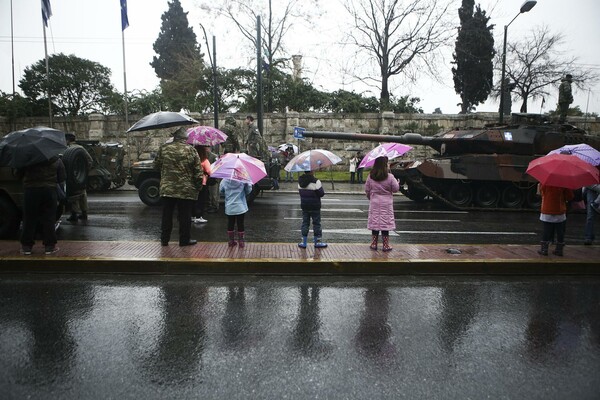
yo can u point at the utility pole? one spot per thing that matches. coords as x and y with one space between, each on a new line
259 89
215 89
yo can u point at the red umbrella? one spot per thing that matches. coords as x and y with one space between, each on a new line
563 170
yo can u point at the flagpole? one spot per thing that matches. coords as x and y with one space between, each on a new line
47 77
125 95
125 24
12 47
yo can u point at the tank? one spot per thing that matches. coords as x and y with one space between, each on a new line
478 168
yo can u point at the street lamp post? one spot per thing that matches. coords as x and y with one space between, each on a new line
527 6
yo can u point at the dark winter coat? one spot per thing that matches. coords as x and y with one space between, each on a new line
311 191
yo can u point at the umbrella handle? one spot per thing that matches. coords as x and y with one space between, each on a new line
331 178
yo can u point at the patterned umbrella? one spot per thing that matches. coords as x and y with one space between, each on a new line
583 151
205 136
312 160
389 150
563 170
238 167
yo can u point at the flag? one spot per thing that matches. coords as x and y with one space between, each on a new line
46 11
124 19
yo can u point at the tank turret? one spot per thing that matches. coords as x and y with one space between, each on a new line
478 167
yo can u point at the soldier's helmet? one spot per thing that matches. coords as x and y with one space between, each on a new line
70 137
568 77
230 121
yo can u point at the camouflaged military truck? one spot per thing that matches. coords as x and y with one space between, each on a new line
146 178
11 191
478 168
108 170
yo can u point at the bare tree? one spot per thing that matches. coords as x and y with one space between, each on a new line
276 23
400 33
536 64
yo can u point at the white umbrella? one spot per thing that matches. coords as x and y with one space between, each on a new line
286 146
312 160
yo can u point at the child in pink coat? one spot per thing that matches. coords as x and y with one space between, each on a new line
380 188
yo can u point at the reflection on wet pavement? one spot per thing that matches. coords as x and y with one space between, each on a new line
332 337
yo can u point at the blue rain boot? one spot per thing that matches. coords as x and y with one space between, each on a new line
302 244
319 244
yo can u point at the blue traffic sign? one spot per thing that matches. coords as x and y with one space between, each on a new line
299 132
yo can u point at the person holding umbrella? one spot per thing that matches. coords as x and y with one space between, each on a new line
40 199
181 178
35 155
553 215
311 190
236 207
380 188
238 172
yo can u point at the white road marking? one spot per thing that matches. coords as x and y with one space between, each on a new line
365 219
367 232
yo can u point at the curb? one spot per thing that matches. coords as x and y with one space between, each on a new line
287 260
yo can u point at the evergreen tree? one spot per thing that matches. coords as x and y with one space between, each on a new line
77 86
473 57
176 44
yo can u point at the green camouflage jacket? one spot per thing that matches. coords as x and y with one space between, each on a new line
564 93
180 170
232 144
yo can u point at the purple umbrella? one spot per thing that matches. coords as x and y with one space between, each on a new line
389 150
582 151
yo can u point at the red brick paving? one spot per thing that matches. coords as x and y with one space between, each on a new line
287 258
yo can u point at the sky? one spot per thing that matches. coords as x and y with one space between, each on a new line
91 29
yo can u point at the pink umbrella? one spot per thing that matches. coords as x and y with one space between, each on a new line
205 136
238 167
389 150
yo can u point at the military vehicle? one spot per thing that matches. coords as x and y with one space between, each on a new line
107 171
478 168
146 178
11 191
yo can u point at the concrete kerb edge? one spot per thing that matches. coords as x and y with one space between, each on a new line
72 265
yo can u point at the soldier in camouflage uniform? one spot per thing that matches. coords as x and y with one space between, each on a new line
256 145
565 97
181 180
77 196
232 144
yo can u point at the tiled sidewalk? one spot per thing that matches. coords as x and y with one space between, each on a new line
288 259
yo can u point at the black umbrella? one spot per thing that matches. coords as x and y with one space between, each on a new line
162 119
31 146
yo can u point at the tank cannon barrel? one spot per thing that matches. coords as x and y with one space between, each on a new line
407 138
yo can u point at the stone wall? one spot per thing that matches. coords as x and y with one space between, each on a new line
279 128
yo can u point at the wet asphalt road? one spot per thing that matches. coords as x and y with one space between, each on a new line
276 217
237 338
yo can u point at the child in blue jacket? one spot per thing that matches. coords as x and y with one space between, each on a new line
235 208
